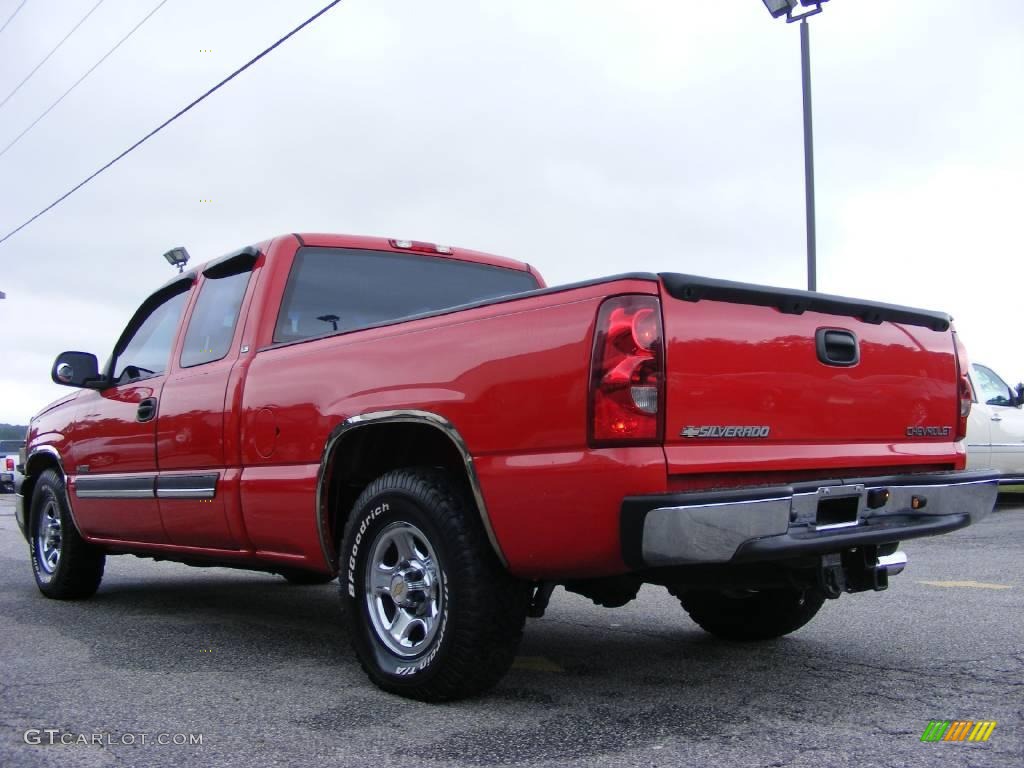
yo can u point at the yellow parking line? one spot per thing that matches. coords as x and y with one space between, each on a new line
967 584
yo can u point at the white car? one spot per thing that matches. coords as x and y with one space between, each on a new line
995 430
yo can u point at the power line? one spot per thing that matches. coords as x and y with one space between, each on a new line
174 117
79 80
11 17
46 58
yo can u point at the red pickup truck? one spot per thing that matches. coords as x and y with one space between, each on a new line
451 439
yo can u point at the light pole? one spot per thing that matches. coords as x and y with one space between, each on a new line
786 8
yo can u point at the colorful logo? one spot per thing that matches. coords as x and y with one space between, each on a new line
958 730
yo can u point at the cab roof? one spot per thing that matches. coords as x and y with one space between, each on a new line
323 240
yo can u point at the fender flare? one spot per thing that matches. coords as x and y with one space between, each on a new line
25 502
395 417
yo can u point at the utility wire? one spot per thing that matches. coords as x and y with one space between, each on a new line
174 117
79 80
46 58
9 18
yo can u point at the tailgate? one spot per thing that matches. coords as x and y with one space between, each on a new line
767 379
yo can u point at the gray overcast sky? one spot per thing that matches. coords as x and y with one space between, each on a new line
584 137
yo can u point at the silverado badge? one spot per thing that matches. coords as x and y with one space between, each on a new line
718 432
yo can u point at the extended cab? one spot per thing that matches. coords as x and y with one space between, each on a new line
451 439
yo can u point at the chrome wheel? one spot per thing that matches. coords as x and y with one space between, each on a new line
404 594
48 537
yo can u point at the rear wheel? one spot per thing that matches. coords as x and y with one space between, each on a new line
751 615
435 615
66 566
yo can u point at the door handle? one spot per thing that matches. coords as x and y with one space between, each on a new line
147 410
996 417
837 346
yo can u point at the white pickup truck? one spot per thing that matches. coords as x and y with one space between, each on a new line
10 458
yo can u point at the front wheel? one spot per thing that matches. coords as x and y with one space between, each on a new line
66 566
435 615
749 615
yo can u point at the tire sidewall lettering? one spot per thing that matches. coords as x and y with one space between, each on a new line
361 536
365 523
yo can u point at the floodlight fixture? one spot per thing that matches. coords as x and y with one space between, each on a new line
787 8
177 257
779 8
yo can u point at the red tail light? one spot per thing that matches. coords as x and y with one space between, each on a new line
10 464
966 400
965 395
627 372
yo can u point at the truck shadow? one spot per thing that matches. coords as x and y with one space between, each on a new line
581 686
165 621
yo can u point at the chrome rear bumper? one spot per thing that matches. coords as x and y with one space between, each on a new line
781 522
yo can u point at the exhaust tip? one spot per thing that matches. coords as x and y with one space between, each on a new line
894 563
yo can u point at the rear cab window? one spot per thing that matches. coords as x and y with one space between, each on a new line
331 290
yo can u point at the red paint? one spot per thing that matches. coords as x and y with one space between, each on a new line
723 364
514 379
556 513
106 439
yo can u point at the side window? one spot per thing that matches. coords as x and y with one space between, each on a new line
992 390
149 349
212 325
343 289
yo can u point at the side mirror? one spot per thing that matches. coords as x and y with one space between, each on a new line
78 369
1020 394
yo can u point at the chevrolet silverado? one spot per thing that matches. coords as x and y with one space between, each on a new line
451 439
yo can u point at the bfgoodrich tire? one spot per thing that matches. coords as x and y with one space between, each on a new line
761 615
66 567
435 616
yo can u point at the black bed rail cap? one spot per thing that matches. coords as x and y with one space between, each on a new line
796 302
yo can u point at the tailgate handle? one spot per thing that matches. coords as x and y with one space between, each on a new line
837 347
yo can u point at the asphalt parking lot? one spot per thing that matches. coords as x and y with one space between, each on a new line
260 670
